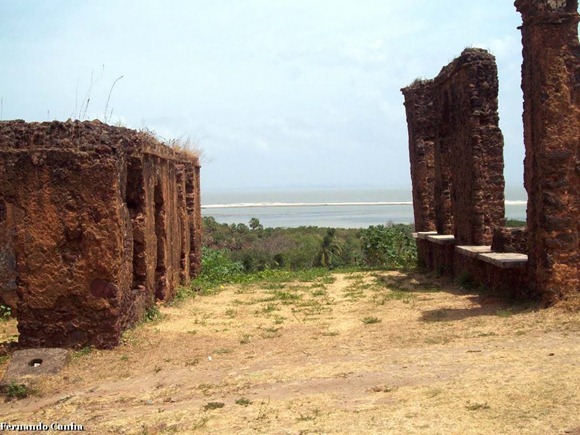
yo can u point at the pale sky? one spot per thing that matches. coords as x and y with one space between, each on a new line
277 93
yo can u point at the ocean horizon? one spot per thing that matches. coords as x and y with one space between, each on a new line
327 207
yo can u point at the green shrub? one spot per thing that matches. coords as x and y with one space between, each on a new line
514 223
390 246
217 268
5 312
152 314
17 391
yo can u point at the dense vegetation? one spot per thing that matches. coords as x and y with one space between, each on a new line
237 249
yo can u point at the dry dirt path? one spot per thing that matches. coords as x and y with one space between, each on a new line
349 353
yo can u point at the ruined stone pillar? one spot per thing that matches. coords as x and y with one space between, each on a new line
470 135
551 87
469 187
421 125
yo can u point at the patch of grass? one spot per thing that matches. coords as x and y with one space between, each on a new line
318 292
330 333
5 312
399 295
17 391
242 401
213 405
439 315
182 294
205 388
245 339
271 332
328 279
200 423
222 351
310 416
82 352
274 286
466 280
4 358
231 313
278 320
354 291
433 392
439 340
263 411
370 320
382 389
269 308
152 314
287 296
507 312
476 406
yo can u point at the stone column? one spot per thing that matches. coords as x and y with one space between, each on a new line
551 87
421 125
470 143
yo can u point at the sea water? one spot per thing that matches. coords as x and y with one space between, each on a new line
329 207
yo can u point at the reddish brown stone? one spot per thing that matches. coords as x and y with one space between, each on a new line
510 240
456 149
551 87
469 148
511 282
421 118
94 224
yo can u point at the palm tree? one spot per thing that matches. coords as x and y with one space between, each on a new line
329 250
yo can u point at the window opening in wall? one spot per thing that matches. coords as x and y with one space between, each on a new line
135 198
161 236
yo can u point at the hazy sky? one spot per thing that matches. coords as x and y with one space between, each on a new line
276 93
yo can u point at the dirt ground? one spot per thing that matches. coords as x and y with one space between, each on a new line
348 353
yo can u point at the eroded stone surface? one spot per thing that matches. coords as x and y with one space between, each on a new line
551 87
456 149
96 225
421 118
510 240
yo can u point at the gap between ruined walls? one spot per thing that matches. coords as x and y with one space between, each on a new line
98 223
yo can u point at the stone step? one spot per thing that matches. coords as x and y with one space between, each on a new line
424 234
504 259
441 239
472 251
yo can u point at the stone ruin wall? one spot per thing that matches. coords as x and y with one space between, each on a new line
421 117
96 224
551 88
542 259
456 149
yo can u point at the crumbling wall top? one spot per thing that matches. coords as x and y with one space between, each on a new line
84 136
543 7
467 57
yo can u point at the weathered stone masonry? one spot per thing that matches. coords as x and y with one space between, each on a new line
96 224
460 134
551 87
421 119
456 150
